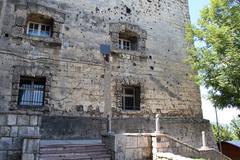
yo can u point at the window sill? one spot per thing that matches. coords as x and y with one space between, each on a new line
50 41
129 53
131 111
29 108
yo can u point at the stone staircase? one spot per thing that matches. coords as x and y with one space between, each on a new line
73 150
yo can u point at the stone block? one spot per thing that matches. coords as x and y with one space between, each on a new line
120 143
3 119
28 156
143 142
119 156
12 119
33 120
23 120
133 154
14 155
3 155
5 143
28 131
17 31
20 21
132 142
147 152
4 131
31 146
163 145
17 143
14 131
39 121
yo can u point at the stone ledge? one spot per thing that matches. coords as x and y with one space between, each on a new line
22 112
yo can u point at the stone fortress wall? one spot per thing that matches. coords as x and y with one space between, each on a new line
74 68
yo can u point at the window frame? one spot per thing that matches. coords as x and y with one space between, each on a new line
122 46
39 29
124 96
33 81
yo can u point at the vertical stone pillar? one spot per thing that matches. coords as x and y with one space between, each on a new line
204 144
30 150
109 123
157 121
107 95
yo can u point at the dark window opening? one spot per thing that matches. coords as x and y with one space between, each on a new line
131 98
128 41
31 92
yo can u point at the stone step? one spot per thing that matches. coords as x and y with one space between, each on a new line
74 153
60 146
68 142
73 150
74 156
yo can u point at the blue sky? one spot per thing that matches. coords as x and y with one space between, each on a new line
195 6
226 115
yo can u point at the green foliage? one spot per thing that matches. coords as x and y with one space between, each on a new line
225 134
217 57
235 126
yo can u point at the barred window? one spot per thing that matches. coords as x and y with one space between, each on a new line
31 92
131 98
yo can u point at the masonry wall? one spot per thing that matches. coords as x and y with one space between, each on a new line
75 69
76 66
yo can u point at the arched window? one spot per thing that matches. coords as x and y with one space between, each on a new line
39 25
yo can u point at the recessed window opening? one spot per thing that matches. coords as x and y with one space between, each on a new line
31 91
128 41
131 98
39 25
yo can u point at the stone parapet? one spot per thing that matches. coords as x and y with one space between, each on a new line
129 146
144 146
162 143
14 128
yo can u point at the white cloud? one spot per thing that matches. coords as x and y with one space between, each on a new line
224 116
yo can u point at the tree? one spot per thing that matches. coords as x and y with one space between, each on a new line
217 55
223 133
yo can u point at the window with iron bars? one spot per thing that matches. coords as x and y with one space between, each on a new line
131 98
31 92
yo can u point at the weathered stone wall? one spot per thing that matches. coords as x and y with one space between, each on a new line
129 146
187 130
76 66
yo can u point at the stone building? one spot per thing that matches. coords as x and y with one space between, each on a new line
55 82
